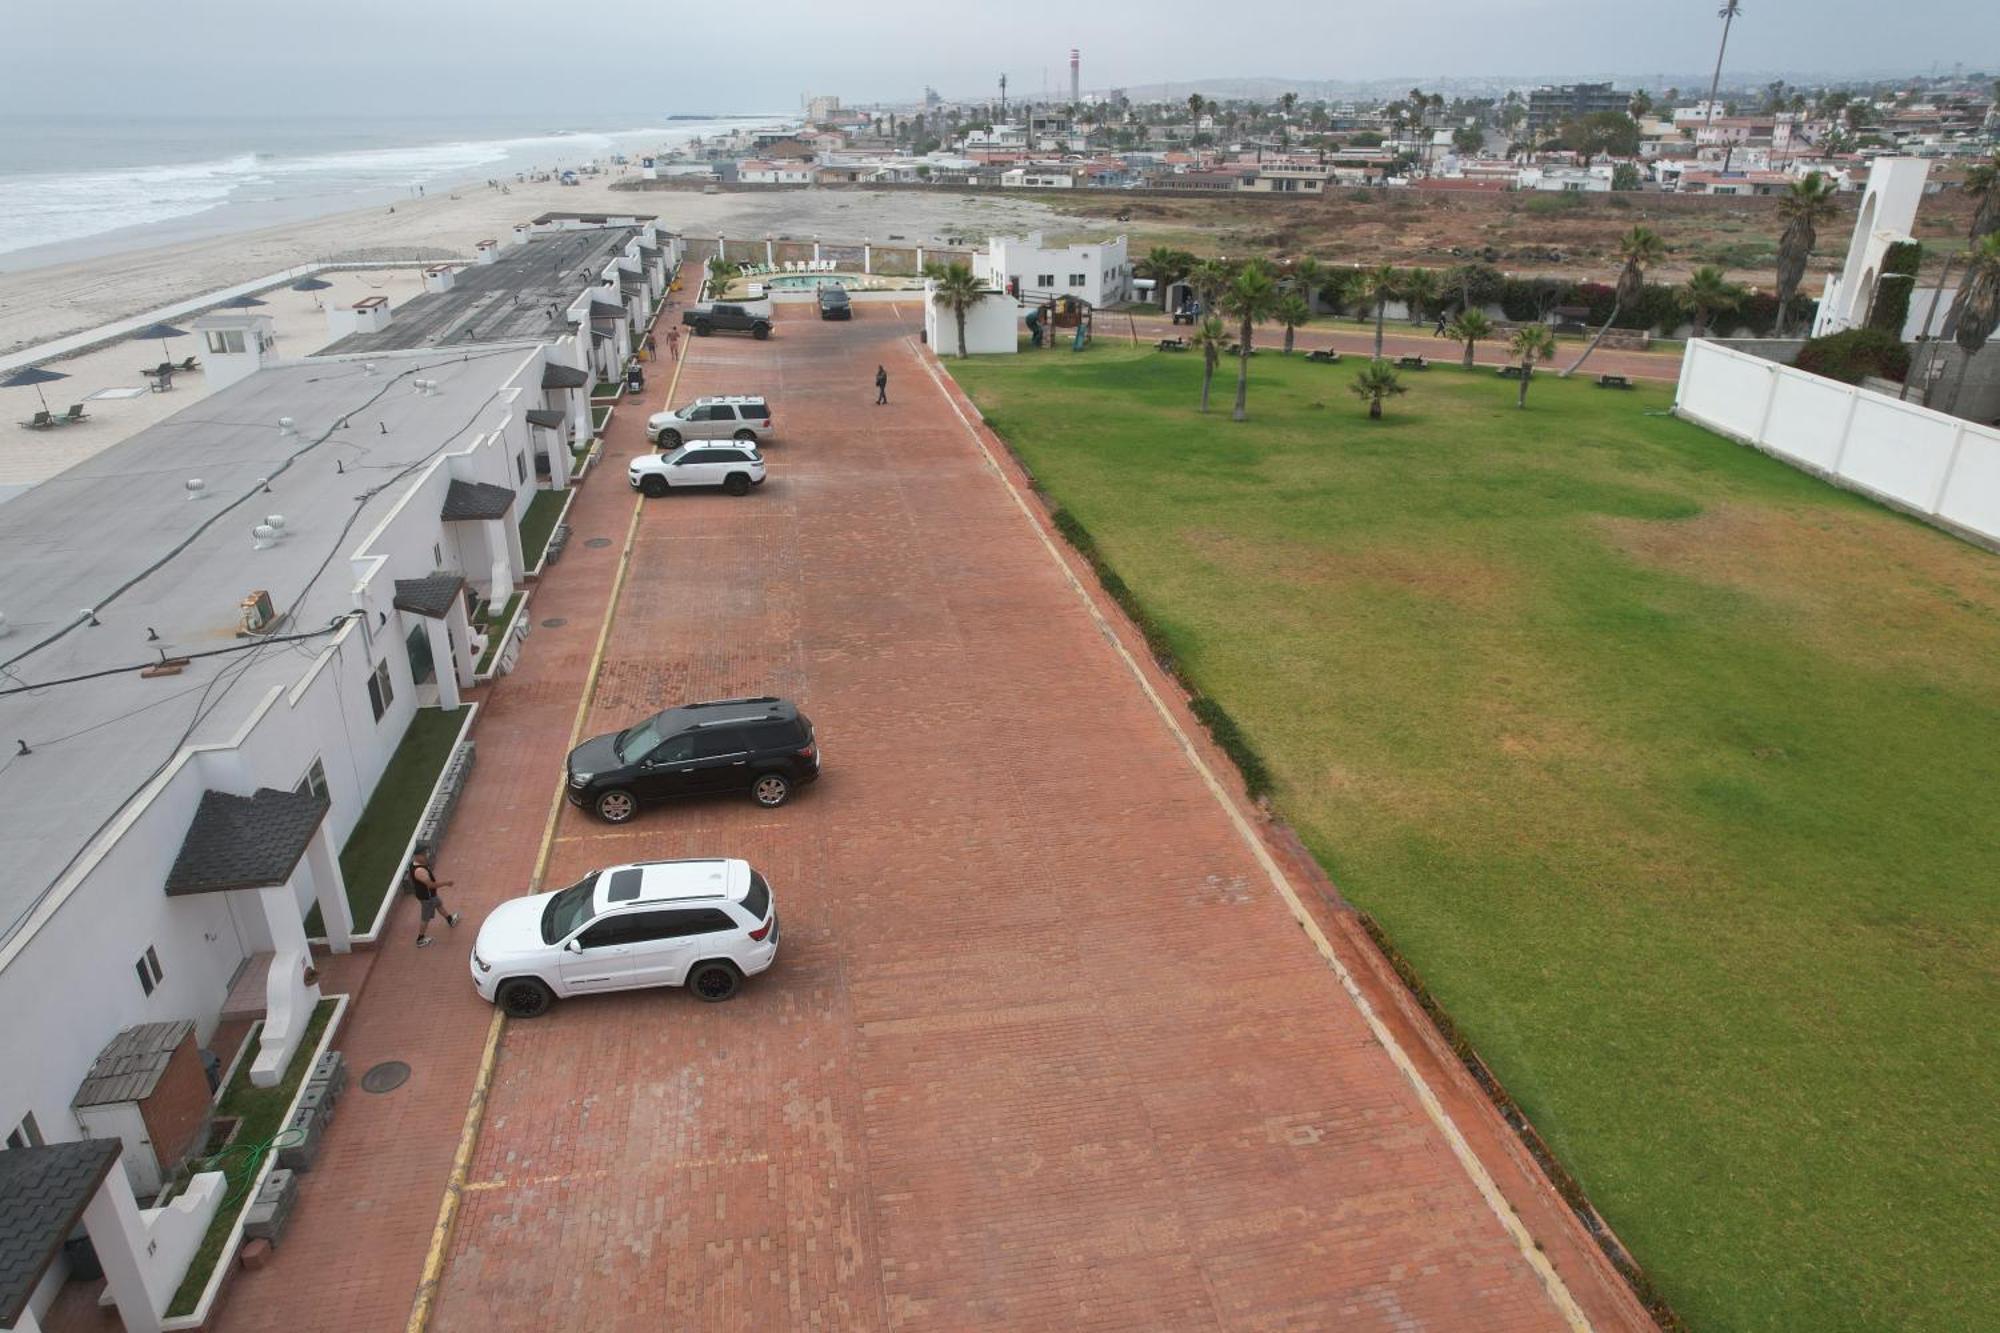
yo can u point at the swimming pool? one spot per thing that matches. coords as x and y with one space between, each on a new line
795 281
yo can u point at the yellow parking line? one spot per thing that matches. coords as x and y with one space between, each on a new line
475 1110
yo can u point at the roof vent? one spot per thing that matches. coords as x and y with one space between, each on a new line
285 426
257 612
196 488
266 536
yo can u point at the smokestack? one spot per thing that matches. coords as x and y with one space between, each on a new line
1074 90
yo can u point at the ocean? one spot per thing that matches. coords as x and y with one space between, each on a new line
74 186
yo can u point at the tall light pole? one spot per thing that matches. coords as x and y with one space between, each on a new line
1728 13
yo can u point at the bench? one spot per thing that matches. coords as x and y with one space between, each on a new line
1173 344
1613 382
1413 363
1326 356
1509 372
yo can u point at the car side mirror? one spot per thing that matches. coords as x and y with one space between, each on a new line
573 946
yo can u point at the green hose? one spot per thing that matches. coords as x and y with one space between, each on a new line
251 1156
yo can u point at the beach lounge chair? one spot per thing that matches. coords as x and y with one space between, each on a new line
188 366
40 421
76 413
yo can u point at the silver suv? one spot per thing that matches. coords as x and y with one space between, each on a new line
732 418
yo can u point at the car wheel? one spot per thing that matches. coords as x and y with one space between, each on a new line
746 435
760 331
524 997
736 483
669 439
703 329
616 806
653 486
771 790
714 980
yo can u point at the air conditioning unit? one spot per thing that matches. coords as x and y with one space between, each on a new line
257 613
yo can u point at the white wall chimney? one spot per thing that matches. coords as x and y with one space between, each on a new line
440 278
487 251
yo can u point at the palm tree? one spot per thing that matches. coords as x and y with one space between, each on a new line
1420 290
1470 327
1803 206
1208 278
1252 297
1376 382
1982 183
1291 313
1165 266
957 290
1211 336
1709 293
1730 9
1532 343
1640 249
1378 286
1978 304
1306 278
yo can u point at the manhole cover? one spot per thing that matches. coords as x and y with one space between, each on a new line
385 1077
598 543
555 622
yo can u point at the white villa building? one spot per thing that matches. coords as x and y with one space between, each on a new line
1100 272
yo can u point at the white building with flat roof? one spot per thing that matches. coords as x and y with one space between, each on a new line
1099 272
216 633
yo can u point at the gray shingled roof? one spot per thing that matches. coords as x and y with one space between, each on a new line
556 376
130 1065
432 596
43 1192
606 310
547 416
245 842
476 499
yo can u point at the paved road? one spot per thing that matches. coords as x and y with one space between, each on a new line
1046 1045
1400 338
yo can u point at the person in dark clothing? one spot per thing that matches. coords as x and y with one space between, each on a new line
1438 332
424 885
881 384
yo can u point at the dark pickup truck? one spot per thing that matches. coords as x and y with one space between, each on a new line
705 320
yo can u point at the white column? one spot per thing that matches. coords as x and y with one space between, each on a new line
867 255
770 252
116 1233
815 249
458 631
330 889
504 557
288 1000
559 463
920 259
26 1323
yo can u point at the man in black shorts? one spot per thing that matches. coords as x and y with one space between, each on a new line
424 885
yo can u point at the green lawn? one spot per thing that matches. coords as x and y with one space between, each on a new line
263 1114
1673 770
373 853
539 522
599 414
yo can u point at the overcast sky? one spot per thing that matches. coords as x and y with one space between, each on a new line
540 56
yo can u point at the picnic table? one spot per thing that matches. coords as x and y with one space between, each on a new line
1509 372
1413 363
1613 382
1173 344
1325 355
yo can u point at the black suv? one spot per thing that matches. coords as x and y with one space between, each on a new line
833 303
763 746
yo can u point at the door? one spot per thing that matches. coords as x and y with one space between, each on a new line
598 958
663 947
721 422
667 771
721 760
701 468
418 645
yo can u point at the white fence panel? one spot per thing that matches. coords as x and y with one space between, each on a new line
1923 461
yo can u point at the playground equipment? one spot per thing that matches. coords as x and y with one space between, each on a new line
1060 312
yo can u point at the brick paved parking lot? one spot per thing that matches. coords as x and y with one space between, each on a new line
1043 1048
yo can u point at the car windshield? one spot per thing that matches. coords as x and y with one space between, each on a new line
569 909
635 743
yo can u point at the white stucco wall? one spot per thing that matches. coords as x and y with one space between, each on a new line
992 326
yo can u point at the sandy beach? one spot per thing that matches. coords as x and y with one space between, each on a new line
42 303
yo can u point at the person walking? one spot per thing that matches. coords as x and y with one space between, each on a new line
1438 332
424 885
881 385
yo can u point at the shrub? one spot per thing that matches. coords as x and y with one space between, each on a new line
1481 282
1855 353
1892 290
1548 205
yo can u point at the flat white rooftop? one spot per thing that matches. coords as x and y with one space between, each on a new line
118 534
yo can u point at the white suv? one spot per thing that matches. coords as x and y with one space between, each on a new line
701 924
732 418
732 466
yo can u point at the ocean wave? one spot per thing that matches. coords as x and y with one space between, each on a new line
51 207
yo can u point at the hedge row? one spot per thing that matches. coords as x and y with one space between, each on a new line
1658 309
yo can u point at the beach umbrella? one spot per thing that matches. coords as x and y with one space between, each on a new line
241 303
162 332
314 285
36 376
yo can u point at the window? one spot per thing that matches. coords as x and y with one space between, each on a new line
520 467
757 902
148 968
314 781
611 931
1045 280
225 340
718 741
624 886
675 750
777 736
642 926
437 556
380 692
1078 279
27 1134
